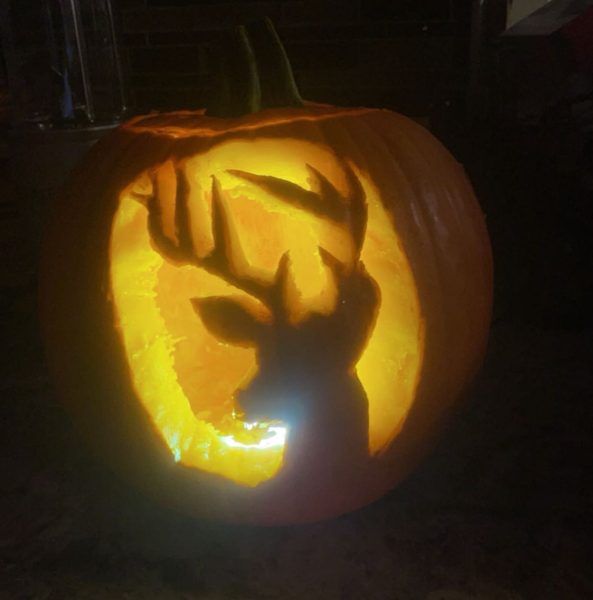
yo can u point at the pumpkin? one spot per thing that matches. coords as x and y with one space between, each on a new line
264 311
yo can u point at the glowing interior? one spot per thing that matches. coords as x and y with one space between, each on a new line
184 376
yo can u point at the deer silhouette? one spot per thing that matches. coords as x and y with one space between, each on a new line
306 371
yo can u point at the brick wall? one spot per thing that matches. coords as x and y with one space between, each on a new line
401 54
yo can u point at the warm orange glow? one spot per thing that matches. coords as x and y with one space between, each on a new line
183 374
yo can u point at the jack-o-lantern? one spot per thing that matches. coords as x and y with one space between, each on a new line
263 312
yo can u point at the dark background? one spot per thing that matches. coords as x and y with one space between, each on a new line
502 508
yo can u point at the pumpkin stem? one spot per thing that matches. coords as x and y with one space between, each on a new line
237 87
277 81
254 73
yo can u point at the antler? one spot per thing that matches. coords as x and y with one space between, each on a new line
226 251
226 245
180 249
323 200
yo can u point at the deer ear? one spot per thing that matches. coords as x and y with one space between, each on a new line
230 320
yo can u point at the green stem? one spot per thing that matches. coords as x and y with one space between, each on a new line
254 73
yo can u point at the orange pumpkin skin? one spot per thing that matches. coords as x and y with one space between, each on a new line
440 231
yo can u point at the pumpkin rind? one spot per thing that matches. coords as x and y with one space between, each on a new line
442 233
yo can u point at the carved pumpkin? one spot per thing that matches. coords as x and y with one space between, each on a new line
265 314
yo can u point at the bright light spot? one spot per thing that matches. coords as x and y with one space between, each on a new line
276 439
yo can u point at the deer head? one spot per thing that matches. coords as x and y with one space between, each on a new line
298 363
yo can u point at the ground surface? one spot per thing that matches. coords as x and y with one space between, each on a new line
501 510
